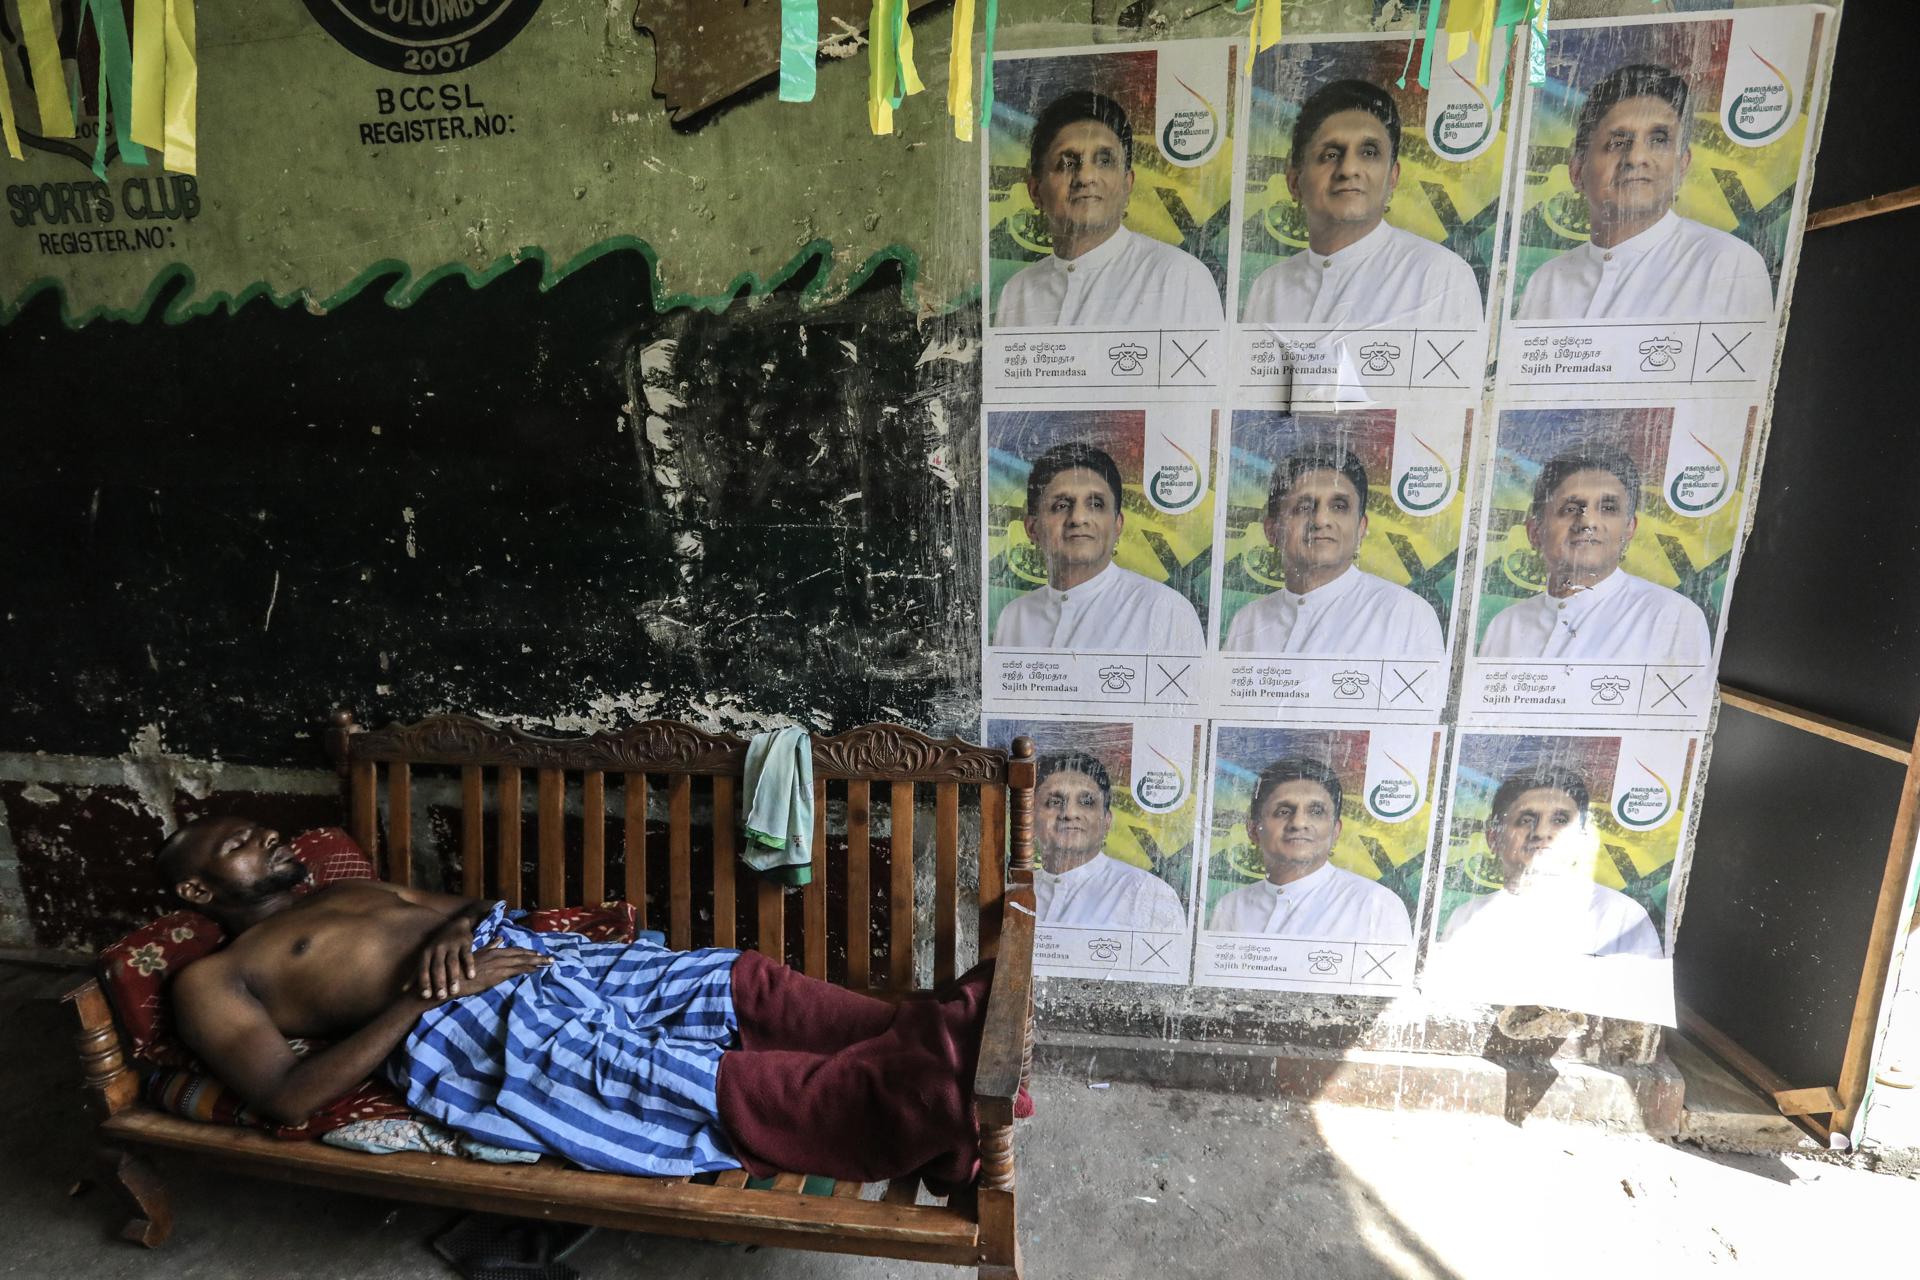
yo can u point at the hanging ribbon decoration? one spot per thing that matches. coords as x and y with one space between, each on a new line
988 29
1266 24
906 75
881 50
8 132
148 94
1487 22
181 102
960 71
116 85
799 49
49 76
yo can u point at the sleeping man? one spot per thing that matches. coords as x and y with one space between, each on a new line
621 1058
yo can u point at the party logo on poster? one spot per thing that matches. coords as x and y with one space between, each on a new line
1190 94
1393 791
1643 786
1160 783
1462 120
1176 479
423 37
1703 457
1423 479
1758 100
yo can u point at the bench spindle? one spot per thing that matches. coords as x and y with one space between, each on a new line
900 897
946 882
993 855
680 861
723 855
593 843
473 835
813 898
363 777
859 885
634 796
507 850
400 824
553 838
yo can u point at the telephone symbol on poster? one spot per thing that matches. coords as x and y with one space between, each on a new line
1108 175
1097 558
1371 219
1607 559
1559 853
1317 839
1666 163
1339 544
1116 820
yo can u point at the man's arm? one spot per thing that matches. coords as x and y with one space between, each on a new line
228 1029
448 957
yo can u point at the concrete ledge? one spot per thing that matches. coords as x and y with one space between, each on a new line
1640 1099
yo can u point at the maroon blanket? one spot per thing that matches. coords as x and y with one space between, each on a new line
834 1083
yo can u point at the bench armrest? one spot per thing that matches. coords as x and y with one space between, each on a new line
1006 1046
103 1065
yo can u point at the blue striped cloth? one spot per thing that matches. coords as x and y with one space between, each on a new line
608 1056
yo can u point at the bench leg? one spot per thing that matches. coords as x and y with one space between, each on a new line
136 1183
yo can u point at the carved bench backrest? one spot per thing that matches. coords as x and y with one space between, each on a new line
584 829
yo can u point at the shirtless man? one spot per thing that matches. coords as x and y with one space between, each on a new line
810 1069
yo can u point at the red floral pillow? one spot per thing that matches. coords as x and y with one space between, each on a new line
135 971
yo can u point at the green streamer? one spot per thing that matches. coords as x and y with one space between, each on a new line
1433 35
799 49
116 72
990 24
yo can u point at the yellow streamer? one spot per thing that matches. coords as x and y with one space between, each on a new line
1266 24
880 66
149 126
960 71
1463 23
183 89
1489 11
7 129
49 75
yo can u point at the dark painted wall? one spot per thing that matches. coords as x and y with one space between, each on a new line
237 523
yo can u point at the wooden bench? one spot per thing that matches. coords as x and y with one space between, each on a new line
452 768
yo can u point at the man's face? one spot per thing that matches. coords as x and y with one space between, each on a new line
1545 820
1077 524
238 862
1083 183
1633 162
1346 173
1294 828
1586 525
1319 523
1073 818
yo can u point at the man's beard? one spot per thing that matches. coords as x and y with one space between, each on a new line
282 879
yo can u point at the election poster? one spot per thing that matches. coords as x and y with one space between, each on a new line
1560 849
1097 558
1116 821
1608 550
1370 220
1107 233
1316 856
1339 545
1666 162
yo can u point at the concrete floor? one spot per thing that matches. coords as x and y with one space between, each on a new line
1118 1182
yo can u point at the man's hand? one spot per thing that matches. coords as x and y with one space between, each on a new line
488 967
444 960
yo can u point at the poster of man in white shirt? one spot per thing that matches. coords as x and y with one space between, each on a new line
1543 829
1666 181
1370 221
1097 578
1632 148
1108 177
1571 619
1286 914
1115 821
1358 270
1340 535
